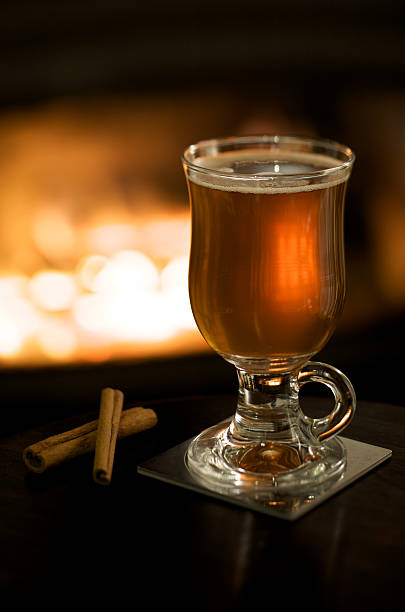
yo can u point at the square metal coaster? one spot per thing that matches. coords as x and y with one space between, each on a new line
170 467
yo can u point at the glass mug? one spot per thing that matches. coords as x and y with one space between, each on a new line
267 286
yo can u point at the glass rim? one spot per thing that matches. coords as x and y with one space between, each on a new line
318 146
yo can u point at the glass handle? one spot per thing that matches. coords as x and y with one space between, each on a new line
345 399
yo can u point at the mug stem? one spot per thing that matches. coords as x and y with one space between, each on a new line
270 447
268 406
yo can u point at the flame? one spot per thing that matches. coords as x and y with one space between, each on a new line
127 272
166 238
19 319
52 290
98 243
58 339
127 296
88 270
11 339
131 301
174 283
175 273
109 238
53 234
12 286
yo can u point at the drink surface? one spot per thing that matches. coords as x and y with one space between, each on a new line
258 171
266 267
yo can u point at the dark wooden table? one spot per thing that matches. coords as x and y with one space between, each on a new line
64 539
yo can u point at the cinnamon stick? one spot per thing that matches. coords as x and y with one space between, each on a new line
107 431
56 449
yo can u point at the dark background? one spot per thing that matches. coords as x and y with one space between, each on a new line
333 68
59 48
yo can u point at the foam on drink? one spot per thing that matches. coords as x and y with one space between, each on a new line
272 171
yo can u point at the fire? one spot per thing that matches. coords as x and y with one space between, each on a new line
89 268
108 239
10 338
93 249
131 299
58 339
125 298
52 290
19 318
53 234
127 272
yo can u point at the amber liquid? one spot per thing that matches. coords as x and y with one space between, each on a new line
266 268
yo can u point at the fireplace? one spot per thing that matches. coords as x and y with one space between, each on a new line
97 107
95 237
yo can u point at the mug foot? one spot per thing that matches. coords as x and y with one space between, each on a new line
263 469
